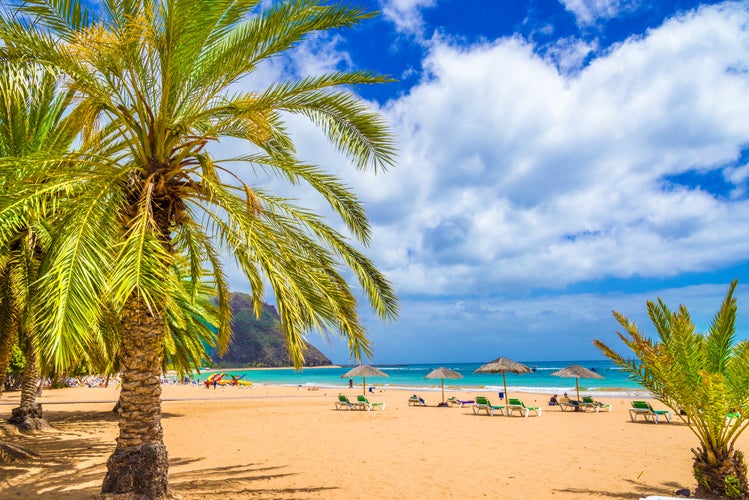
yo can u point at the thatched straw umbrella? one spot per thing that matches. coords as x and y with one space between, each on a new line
443 373
503 365
578 372
364 371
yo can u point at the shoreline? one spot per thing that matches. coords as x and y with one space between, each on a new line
246 392
545 391
255 368
412 378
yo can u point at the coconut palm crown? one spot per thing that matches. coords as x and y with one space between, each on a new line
704 378
157 82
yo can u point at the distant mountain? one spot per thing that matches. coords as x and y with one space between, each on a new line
259 342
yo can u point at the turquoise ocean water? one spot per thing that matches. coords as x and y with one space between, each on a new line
411 377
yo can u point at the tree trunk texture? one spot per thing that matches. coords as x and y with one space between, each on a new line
720 475
6 347
8 327
29 416
139 465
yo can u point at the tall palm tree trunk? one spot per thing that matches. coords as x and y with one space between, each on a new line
29 416
30 378
720 473
139 464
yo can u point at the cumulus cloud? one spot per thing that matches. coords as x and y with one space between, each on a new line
588 12
570 54
522 175
406 15
513 175
548 327
738 177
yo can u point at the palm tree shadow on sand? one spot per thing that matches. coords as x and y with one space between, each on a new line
59 468
70 462
639 490
237 481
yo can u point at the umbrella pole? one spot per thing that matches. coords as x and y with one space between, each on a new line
504 379
364 386
577 388
443 391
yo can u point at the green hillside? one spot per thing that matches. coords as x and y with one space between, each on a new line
259 342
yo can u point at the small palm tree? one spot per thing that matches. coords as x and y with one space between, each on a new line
35 117
704 378
157 81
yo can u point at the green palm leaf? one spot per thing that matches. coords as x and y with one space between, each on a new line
146 210
704 378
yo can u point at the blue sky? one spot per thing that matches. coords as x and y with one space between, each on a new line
558 159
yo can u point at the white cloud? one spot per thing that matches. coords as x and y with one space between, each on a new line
588 12
515 178
549 327
569 54
512 175
737 176
406 15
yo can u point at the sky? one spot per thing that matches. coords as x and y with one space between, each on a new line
558 160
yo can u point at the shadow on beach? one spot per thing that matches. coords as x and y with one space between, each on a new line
70 462
239 481
638 490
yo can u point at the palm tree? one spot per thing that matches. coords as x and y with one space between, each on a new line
158 82
704 378
33 120
23 268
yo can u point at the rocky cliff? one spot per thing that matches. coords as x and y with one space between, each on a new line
258 341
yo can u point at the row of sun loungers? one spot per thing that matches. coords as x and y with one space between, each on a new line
482 405
650 414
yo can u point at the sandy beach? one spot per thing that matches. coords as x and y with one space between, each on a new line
287 442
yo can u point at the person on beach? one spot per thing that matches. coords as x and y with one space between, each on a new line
215 383
350 383
553 401
573 402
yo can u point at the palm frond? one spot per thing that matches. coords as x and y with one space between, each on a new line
277 28
143 264
63 17
720 340
73 281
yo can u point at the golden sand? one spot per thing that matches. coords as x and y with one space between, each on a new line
286 442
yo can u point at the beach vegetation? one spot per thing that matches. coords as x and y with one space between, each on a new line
36 120
14 370
704 378
151 209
